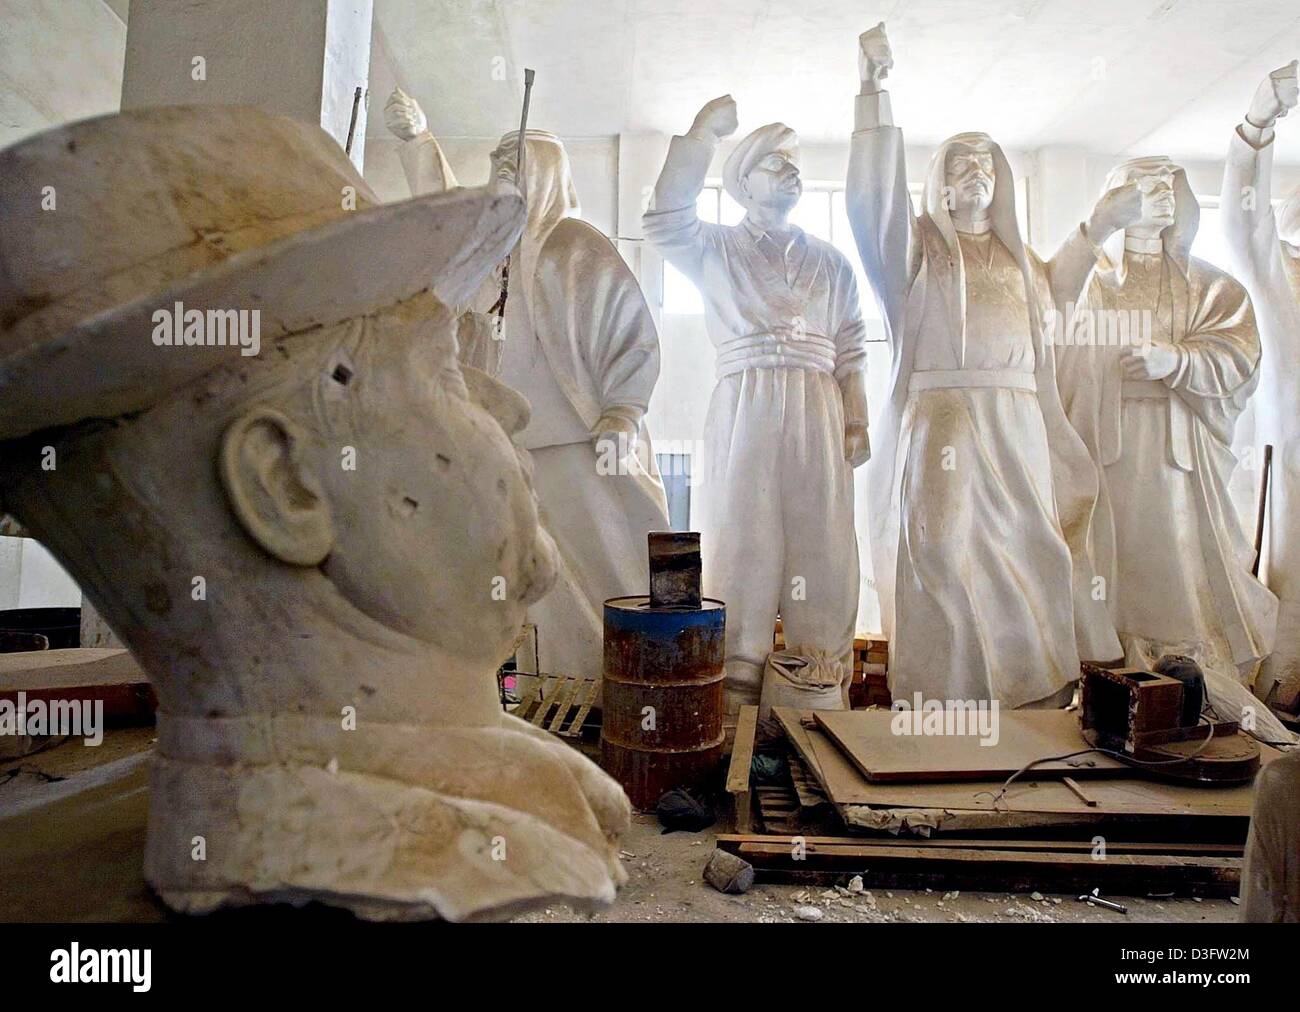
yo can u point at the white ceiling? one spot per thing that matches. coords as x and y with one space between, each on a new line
1116 76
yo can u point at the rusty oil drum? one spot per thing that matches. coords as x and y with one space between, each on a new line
670 659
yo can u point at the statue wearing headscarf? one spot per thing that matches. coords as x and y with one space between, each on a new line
577 340
479 334
787 422
1264 245
581 345
1159 361
981 492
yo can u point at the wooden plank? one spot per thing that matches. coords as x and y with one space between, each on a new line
742 754
742 757
965 855
591 689
798 860
1183 847
562 702
868 739
954 867
544 694
1079 792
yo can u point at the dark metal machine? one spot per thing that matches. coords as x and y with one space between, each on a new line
1144 718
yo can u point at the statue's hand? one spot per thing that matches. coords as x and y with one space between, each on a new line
875 58
403 116
716 120
857 444
616 434
1275 97
1116 210
1151 361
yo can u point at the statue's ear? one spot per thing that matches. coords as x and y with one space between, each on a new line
278 501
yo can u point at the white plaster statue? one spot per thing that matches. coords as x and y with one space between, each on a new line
1270 877
479 330
582 346
1156 400
579 342
425 166
303 546
787 422
1264 244
981 492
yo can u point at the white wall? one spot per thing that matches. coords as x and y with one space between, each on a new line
30 578
60 60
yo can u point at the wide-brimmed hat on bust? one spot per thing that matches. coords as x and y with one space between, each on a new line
109 220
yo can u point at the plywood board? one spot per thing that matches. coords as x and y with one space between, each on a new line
1129 795
108 675
868 739
37 670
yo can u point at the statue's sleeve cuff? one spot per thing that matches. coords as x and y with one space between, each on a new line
872 111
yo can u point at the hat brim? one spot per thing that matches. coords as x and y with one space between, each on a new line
354 265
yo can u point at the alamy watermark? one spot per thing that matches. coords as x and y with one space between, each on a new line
177 327
946 717
75 718
1083 326
75 965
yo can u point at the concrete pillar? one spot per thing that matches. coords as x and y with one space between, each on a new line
290 57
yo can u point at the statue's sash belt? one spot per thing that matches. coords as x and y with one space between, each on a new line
776 351
945 379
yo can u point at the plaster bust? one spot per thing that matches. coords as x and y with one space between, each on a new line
319 553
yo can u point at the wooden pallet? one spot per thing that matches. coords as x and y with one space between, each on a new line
778 808
811 795
560 704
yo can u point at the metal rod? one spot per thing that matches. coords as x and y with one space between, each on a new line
1263 508
523 131
499 307
352 126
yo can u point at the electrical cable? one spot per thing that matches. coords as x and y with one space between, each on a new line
1104 751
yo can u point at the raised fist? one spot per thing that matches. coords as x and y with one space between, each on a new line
403 116
716 120
875 58
1275 97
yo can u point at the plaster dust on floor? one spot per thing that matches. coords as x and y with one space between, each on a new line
94 818
665 883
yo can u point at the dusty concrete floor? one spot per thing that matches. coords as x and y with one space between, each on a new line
665 884
90 826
